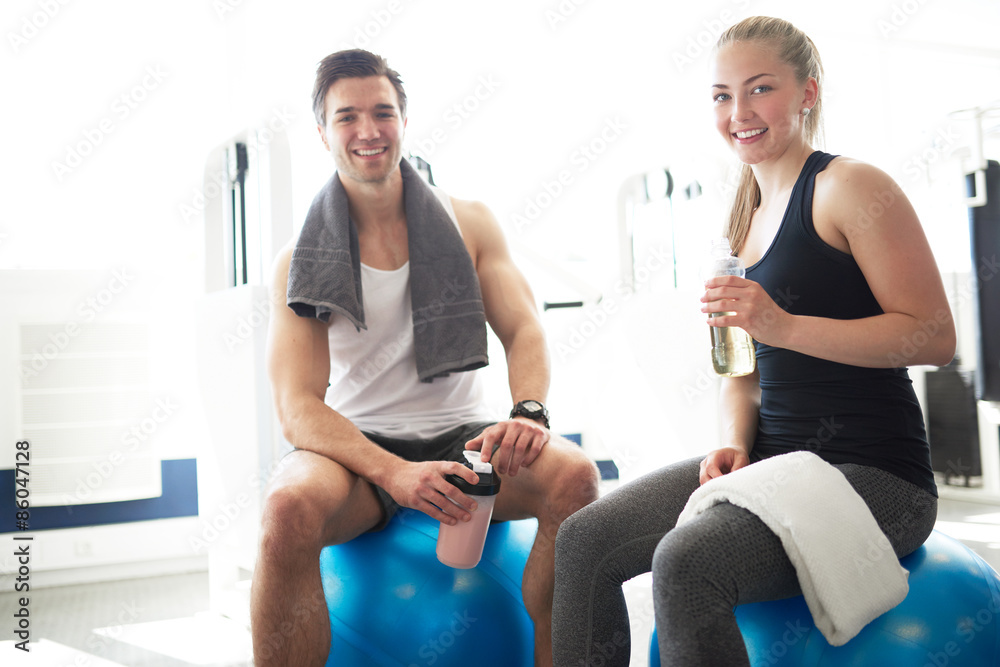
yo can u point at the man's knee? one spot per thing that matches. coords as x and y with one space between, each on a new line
291 517
315 504
575 484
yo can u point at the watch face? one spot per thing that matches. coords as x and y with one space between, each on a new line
532 406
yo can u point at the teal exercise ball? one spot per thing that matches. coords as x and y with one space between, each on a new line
393 604
950 618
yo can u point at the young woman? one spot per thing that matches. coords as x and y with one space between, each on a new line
841 294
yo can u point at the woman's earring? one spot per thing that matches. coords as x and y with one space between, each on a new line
805 112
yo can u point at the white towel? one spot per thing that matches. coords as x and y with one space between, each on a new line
846 567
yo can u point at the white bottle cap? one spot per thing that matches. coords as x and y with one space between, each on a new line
478 466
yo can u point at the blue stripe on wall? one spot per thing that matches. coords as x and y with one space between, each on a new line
180 498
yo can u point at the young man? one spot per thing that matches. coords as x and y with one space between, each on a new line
389 287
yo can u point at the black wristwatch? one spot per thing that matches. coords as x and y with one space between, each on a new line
532 410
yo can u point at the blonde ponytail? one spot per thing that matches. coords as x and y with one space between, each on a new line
745 203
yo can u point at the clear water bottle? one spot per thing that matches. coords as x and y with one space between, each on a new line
732 347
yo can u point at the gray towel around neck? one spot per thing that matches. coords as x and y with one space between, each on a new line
324 277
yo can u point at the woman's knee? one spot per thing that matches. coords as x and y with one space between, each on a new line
581 531
572 532
689 563
674 556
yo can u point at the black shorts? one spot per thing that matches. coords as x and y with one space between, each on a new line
446 447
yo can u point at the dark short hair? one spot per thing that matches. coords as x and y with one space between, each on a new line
352 63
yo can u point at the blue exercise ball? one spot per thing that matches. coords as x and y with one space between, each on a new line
950 618
393 604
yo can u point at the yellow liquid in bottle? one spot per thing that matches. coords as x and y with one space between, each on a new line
732 350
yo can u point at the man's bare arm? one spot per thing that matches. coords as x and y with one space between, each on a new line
513 316
298 363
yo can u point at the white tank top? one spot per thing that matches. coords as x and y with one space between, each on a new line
373 372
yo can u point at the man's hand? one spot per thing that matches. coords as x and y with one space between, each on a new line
519 441
422 486
721 462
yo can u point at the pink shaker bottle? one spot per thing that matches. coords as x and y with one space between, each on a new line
461 545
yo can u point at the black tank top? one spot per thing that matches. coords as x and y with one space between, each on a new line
844 414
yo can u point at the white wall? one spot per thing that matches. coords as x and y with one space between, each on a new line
141 92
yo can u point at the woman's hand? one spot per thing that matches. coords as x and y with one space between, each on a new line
751 308
721 462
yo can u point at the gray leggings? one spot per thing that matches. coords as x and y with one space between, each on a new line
701 571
